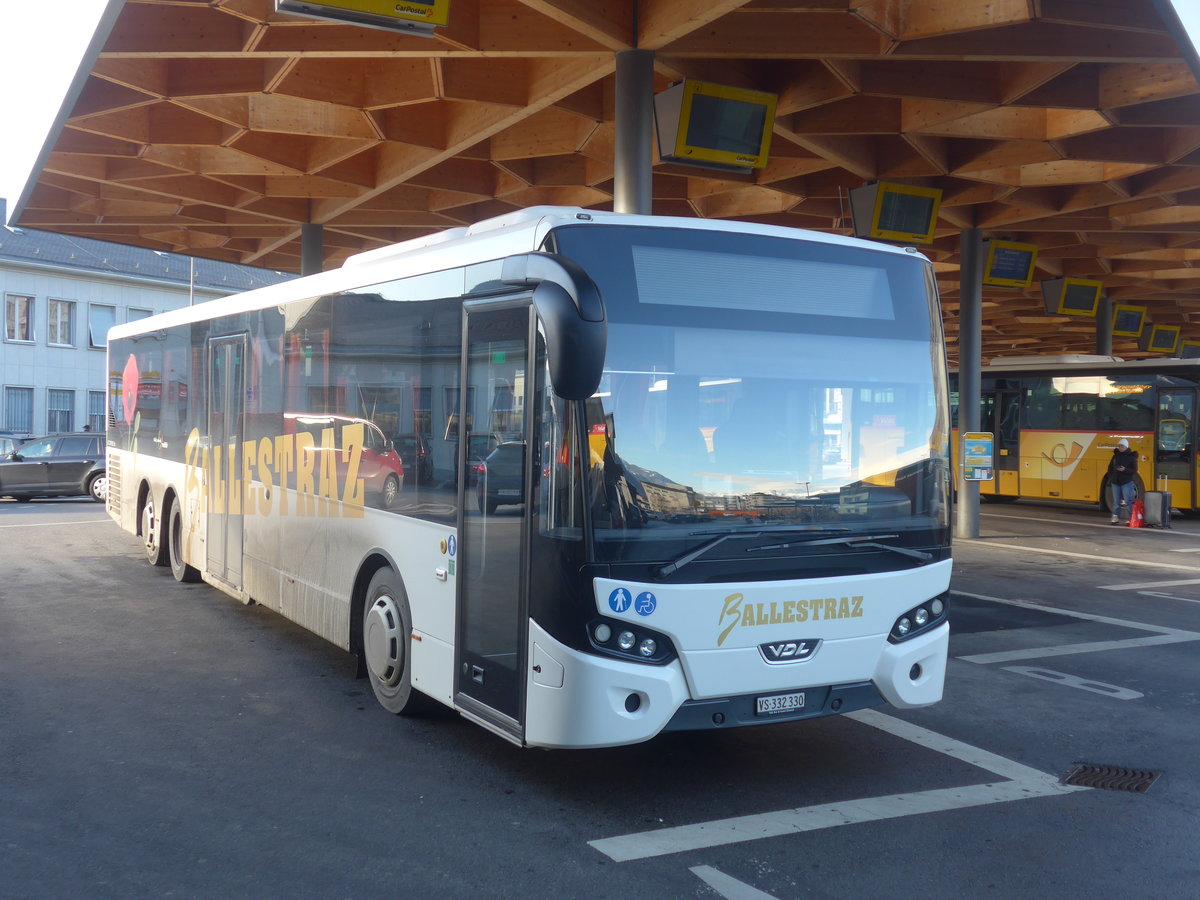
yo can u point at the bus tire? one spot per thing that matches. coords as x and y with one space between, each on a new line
387 644
1139 491
182 572
153 535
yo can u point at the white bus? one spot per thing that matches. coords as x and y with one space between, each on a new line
625 519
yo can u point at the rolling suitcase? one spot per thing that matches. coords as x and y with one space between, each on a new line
1157 509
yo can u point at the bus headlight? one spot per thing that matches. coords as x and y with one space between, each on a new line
628 641
921 619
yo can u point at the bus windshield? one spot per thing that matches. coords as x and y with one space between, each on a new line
761 383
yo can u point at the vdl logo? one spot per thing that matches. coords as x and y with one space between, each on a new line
780 652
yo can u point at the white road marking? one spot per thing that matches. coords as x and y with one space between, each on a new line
1091 556
56 524
1100 523
1167 596
1084 684
1023 783
1185 550
1161 635
1148 584
728 886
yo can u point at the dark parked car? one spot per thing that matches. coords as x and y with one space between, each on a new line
501 477
60 465
418 461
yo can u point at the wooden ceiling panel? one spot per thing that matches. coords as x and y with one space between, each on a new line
219 127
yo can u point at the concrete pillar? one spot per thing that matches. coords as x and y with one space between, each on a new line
1104 317
632 165
312 249
970 354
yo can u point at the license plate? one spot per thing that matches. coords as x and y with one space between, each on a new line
779 703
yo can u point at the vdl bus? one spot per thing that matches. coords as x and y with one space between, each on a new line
644 529
1056 420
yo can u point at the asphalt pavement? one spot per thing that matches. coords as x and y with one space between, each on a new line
163 740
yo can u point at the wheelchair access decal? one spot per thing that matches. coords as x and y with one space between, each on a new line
621 599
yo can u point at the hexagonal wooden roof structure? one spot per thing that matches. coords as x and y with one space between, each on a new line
220 127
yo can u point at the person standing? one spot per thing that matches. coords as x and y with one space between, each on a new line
1121 471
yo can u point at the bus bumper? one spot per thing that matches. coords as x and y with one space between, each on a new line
912 673
584 700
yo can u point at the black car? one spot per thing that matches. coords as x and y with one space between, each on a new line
60 465
501 477
414 452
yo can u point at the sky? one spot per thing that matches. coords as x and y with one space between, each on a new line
42 45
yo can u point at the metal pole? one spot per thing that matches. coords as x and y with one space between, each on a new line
970 344
312 249
1104 323
632 165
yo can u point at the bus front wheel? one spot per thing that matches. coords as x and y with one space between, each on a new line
387 644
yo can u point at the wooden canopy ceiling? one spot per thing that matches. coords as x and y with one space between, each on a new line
219 127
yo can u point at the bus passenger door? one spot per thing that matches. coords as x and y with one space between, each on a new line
1008 443
1175 446
494 515
226 413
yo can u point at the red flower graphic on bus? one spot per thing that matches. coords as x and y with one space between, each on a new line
129 388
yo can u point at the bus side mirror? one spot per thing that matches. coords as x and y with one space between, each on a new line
574 346
572 313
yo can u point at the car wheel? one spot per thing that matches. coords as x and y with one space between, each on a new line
391 490
183 573
97 486
152 535
387 645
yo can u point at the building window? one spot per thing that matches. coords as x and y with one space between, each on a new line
61 324
100 319
18 318
136 314
60 411
18 409
96 412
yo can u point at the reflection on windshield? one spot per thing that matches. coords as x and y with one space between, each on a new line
711 435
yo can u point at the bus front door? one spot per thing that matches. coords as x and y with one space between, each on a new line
1175 446
494 515
226 414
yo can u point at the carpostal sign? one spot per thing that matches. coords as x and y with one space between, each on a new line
432 12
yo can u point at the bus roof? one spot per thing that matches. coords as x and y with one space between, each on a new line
521 231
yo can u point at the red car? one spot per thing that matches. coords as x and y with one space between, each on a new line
380 466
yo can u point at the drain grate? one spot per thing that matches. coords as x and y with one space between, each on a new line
1111 778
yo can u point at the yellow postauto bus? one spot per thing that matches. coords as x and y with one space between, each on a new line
1056 420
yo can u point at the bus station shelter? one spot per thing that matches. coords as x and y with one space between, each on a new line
220 127
232 130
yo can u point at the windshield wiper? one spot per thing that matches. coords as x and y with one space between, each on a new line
864 540
676 564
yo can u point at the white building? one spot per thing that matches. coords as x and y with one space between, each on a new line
62 294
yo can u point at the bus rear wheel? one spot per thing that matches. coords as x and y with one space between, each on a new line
387 645
153 536
183 573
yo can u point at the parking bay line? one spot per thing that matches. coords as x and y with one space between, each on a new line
47 524
1161 635
1022 783
1091 556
